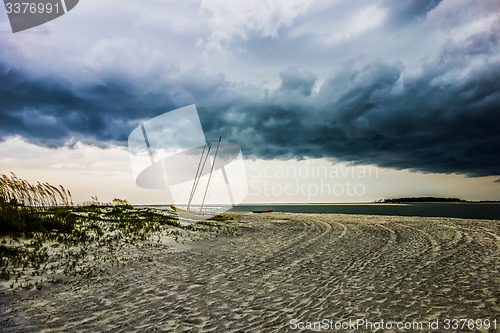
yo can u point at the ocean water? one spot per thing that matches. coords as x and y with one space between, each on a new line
490 211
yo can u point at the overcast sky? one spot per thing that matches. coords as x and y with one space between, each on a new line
400 85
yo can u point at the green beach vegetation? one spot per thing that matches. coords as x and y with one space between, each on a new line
43 236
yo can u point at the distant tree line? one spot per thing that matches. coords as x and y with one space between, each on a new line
420 199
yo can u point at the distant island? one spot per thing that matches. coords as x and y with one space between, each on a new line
420 199
432 199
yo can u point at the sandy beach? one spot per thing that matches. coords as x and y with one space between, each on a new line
276 268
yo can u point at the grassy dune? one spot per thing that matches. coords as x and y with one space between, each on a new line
43 237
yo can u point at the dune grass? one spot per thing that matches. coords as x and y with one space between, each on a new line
43 233
23 206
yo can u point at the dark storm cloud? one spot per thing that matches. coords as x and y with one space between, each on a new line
293 80
444 119
381 119
50 112
411 9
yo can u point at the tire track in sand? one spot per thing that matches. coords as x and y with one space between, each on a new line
309 267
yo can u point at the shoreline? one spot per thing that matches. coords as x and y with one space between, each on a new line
485 211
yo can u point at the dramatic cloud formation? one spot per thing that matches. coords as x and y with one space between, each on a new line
444 119
403 85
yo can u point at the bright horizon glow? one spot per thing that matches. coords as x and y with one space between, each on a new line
106 173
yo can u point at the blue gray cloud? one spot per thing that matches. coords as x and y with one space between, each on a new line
438 113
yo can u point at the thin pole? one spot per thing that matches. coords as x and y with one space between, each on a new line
151 156
196 176
228 187
202 168
210 177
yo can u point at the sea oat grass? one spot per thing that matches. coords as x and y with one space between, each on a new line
43 235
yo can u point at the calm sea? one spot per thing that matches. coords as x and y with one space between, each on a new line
461 210
489 211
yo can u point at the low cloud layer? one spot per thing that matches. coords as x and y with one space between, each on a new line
439 116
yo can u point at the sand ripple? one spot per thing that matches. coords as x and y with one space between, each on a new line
281 267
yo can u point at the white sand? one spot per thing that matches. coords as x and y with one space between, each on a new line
277 268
